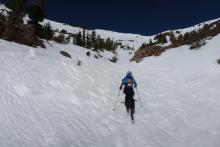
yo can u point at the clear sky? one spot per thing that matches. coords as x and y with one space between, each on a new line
145 17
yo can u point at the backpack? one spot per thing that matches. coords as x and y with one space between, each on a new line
130 84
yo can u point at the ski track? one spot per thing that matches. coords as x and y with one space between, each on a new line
47 100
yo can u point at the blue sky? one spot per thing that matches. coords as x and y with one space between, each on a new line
145 17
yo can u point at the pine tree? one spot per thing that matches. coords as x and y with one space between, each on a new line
36 14
161 38
46 32
150 42
93 39
84 38
204 32
60 38
98 43
79 40
88 41
110 45
143 45
180 38
17 6
174 40
186 37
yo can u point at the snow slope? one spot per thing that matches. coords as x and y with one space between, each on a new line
4 10
131 40
46 100
126 39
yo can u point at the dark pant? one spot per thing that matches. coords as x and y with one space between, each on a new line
129 100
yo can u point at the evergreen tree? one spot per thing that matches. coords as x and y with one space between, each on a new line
84 38
187 37
204 32
110 45
99 43
161 38
194 36
143 45
17 6
93 39
150 42
180 38
60 38
46 32
67 39
79 40
36 14
88 41
174 40
63 31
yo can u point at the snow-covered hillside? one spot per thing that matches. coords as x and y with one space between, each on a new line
133 41
46 100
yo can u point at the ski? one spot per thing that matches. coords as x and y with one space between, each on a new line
132 117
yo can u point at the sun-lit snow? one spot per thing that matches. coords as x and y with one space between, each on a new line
48 100
126 39
196 27
4 10
131 40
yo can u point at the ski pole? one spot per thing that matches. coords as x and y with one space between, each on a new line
116 100
116 107
139 97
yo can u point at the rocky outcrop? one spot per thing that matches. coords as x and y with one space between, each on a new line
195 39
147 52
218 61
22 34
65 54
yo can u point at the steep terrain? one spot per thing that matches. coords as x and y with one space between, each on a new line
47 100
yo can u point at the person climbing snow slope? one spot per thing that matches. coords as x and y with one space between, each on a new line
129 84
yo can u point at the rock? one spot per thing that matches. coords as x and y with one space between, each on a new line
65 54
148 51
218 61
22 34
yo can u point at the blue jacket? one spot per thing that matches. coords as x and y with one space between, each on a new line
125 81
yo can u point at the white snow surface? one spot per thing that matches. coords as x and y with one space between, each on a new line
131 40
4 10
196 27
126 39
46 100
